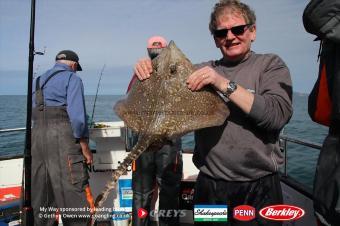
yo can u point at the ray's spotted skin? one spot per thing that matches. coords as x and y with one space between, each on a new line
162 107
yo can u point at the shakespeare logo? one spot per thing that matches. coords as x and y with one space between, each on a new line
206 213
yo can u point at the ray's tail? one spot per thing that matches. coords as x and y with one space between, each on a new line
142 144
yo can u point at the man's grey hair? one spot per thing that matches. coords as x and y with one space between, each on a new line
231 7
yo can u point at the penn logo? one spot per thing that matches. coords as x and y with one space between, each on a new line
282 212
244 213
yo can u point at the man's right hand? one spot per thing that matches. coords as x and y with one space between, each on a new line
143 68
86 151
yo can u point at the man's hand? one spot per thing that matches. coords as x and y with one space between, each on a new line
86 151
205 76
143 69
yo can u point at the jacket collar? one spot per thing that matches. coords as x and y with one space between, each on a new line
61 66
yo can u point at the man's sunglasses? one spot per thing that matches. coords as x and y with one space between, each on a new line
237 30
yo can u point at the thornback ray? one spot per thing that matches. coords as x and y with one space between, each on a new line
162 108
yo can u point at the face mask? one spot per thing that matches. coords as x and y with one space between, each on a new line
154 52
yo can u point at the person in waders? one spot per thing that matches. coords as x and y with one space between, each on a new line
60 151
162 167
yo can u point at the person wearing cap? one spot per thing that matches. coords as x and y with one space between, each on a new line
239 161
162 167
155 45
60 150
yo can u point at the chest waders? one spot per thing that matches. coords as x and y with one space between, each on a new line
163 167
59 173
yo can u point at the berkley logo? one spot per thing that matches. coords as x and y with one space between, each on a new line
244 213
282 212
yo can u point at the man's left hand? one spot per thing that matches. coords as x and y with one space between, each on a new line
205 76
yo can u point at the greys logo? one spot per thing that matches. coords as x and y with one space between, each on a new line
164 213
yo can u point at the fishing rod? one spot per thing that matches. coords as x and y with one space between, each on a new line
27 210
95 98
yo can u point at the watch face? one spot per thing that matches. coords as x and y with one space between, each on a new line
232 86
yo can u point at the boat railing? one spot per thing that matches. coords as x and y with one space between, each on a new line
284 140
12 130
285 177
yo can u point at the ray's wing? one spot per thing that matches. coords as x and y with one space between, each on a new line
187 111
138 107
182 110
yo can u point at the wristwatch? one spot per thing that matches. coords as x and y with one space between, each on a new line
231 87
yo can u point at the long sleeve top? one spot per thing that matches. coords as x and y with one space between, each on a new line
66 89
246 146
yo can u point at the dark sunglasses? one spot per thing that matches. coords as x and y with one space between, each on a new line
237 30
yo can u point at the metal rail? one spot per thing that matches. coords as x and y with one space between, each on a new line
283 141
12 130
301 142
283 145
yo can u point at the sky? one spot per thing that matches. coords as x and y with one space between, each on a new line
115 32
